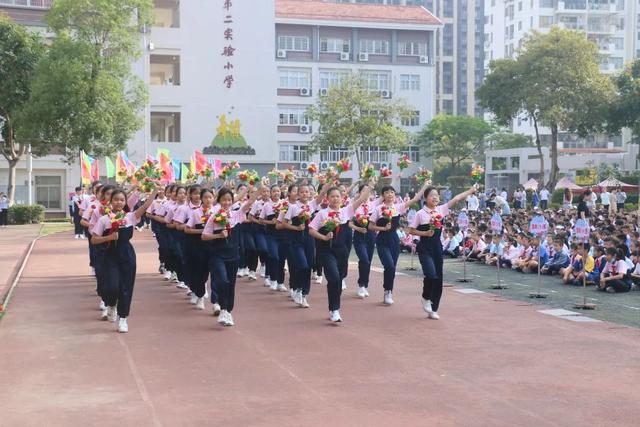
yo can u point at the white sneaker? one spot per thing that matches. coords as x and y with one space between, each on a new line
167 275
366 292
426 306
200 304
206 295
388 297
252 275
281 287
229 320
77 236
93 271
305 303
194 299
239 273
319 280
82 236
335 316
216 309
174 277
102 305
263 270
434 315
181 285
189 292
291 293
112 314
222 319
105 314
361 293
314 276
123 328
273 285
344 285
161 269
297 297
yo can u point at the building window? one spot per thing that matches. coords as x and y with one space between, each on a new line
447 106
292 116
375 80
547 3
293 43
409 81
293 153
49 191
164 70
374 155
447 40
498 163
165 127
546 21
412 49
413 153
332 78
447 10
617 62
293 79
334 155
335 45
447 77
166 13
515 162
412 121
374 47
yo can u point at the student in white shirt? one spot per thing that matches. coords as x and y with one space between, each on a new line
473 203
544 198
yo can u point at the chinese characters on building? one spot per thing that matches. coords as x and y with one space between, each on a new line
228 50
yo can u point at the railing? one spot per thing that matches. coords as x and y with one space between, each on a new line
37 4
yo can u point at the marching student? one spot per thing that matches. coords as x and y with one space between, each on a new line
285 238
162 233
155 205
427 224
331 245
113 233
198 252
364 241
269 218
385 220
176 238
221 231
180 218
259 238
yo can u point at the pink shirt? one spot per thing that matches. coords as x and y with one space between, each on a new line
376 214
615 268
87 201
165 207
256 209
235 218
183 213
153 209
423 216
104 223
171 212
195 216
296 208
267 209
345 213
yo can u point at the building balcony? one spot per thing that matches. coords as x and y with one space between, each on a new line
29 4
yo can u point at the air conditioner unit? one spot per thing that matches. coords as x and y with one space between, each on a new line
304 166
363 57
324 92
324 166
384 165
305 91
385 93
305 129
424 59
281 53
152 47
344 56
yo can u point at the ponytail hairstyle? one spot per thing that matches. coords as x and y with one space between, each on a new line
224 191
205 191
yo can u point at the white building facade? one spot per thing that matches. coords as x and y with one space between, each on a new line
233 79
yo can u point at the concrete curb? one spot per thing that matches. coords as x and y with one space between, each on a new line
6 298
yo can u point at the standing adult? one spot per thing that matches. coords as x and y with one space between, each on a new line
473 203
621 197
544 198
567 199
605 199
4 210
584 211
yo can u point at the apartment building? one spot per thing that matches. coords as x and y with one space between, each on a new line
233 79
459 51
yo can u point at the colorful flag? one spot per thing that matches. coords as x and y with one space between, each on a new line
95 169
192 166
217 166
184 173
200 161
111 168
176 169
85 168
166 166
122 163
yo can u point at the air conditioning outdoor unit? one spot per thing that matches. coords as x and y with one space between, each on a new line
324 92
305 129
281 53
344 56
385 93
324 166
363 57
304 166
424 59
384 165
305 91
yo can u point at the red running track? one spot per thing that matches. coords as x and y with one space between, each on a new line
486 363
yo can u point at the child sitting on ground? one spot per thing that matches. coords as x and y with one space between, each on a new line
583 263
495 250
614 277
525 257
559 260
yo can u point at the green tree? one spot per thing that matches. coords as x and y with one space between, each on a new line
455 138
85 96
20 52
507 140
624 110
556 81
353 117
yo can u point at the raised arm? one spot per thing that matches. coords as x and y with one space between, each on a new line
419 194
460 197
253 196
364 194
142 209
322 193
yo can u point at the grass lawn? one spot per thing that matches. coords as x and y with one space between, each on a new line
50 228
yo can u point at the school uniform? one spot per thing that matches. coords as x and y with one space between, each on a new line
430 254
181 216
197 252
224 255
162 235
333 255
302 250
259 237
119 263
273 258
176 245
613 269
364 244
